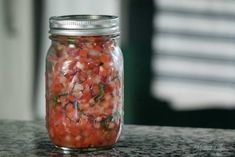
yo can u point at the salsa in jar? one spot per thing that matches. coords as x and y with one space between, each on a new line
84 82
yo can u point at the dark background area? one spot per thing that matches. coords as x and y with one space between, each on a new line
147 109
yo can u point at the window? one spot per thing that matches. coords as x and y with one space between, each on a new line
194 53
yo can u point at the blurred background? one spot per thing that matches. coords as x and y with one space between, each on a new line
179 58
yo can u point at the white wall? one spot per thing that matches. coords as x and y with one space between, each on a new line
16 60
64 7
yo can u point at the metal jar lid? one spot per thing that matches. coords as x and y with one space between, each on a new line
84 25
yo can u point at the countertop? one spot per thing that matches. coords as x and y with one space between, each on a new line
21 138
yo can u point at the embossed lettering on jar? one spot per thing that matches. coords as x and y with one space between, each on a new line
84 82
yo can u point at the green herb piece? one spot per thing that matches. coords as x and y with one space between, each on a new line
72 41
109 118
105 122
55 100
101 93
63 94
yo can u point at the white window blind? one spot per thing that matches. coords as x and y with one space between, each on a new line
194 53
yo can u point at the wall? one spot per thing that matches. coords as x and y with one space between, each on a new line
15 59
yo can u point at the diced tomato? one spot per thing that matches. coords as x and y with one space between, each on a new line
96 70
82 76
72 65
93 63
73 52
59 53
57 67
95 89
74 129
86 97
108 89
105 58
58 114
71 98
84 60
83 53
56 86
59 129
103 72
83 93
98 48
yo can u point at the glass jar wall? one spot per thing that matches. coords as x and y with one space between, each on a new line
84 87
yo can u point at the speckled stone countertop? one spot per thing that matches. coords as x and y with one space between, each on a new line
19 138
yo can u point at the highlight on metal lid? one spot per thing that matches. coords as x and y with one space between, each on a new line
84 25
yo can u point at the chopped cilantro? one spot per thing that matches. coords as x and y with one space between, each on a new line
71 41
55 99
105 122
101 92
63 94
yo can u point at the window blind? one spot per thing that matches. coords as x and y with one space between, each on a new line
194 53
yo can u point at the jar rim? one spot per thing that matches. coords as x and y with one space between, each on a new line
84 25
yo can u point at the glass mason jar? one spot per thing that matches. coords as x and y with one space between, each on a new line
84 82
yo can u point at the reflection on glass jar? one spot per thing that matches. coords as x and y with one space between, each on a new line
84 82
